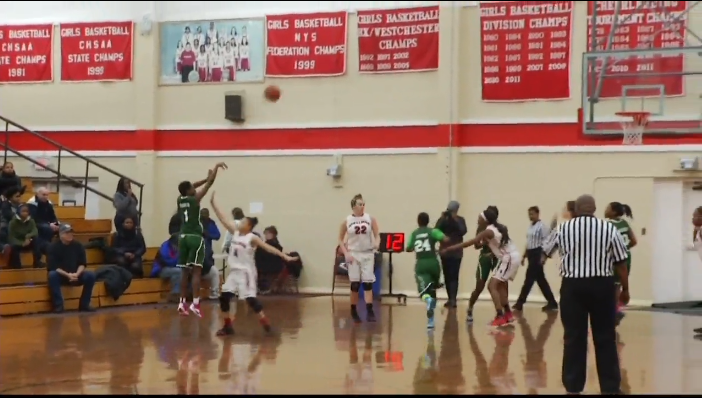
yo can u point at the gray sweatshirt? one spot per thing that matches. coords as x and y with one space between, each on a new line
125 204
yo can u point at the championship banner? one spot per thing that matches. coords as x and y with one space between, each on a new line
208 52
642 28
97 51
525 50
304 45
401 40
26 54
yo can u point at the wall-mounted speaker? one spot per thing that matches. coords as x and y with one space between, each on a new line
234 107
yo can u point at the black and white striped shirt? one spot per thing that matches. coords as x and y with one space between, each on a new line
588 247
536 235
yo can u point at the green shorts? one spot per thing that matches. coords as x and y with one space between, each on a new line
628 268
191 251
427 273
486 263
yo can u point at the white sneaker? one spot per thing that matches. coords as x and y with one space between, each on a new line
182 309
214 294
195 309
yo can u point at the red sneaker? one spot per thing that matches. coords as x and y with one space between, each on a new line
509 318
195 309
498 321
183 309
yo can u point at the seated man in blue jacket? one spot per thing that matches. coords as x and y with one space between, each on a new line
67 266
128 248
165 266
43 214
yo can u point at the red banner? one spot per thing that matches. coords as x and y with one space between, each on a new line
641 28
306 44
403 40
26 54
97 52
526 50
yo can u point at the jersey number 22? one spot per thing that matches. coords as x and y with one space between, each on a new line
359 229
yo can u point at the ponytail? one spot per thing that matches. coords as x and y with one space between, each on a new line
626 209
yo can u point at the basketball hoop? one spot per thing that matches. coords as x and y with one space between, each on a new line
633 129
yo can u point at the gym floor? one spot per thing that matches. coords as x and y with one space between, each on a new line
316 350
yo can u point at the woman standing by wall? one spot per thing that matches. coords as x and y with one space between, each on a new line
125 203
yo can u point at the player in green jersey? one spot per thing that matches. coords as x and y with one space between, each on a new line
191 245
486 263
427 269
616 212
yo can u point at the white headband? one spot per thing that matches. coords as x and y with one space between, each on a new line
482 215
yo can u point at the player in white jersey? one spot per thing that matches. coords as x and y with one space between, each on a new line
495 235
216 63
229 59
242 279
358 240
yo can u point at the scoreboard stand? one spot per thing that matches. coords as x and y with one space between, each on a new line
392 242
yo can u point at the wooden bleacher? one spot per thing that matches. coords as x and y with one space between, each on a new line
25 291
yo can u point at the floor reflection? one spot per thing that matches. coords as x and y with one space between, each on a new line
154 351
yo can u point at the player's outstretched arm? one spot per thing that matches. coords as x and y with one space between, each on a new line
270 249
228 224
486 234
211 176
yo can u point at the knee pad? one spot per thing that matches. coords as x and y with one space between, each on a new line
355 286
367 286
254 304
225 300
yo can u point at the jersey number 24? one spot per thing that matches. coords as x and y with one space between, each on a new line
359 229
421 246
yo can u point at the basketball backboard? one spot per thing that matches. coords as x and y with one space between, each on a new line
643 56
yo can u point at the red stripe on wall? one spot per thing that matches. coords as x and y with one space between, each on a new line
566 134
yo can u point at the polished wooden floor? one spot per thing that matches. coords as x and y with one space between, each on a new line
151 350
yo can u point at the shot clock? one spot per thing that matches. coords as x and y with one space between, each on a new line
392 242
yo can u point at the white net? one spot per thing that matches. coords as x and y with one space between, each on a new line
633 129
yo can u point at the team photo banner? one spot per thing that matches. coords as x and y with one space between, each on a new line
304 45
97 51
212 52
525 50
642 28
26 54
402 40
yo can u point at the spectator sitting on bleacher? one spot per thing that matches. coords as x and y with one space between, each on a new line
9 179
174 224
22 235
166 266
128 248
211 233
43 213
125 203
67 263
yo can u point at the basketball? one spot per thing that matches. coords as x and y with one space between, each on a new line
272 93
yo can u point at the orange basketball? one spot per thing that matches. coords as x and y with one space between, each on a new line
272 93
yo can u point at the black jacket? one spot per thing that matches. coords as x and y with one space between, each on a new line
455 229
268 263
127 242
10 180
117 280
42 212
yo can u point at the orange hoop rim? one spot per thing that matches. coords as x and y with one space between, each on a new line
638 118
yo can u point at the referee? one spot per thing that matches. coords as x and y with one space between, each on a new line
591 250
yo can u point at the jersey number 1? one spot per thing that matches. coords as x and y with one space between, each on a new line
185 216
360 229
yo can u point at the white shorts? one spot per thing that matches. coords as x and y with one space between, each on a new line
362 268
242 282
507 267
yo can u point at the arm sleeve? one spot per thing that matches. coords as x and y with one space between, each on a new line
34 232
214 232
618 246
121 202
551 242
53 257
462 228
142 246
438 235
410 242
81 257
13 236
